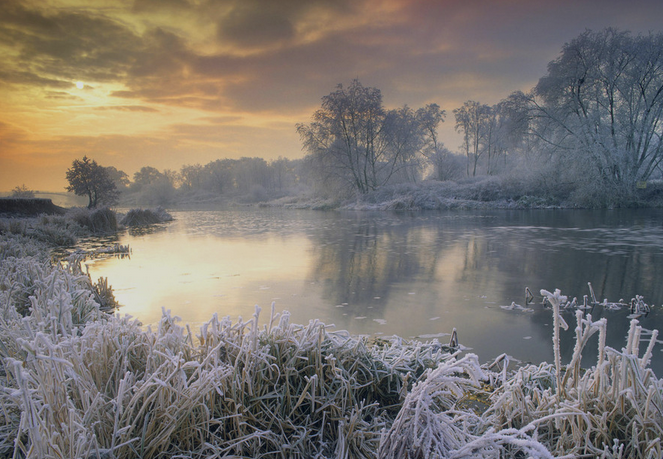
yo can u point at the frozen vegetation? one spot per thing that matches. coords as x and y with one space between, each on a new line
144 217
77 382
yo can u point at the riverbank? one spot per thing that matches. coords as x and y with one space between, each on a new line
80 383
470 194
29 207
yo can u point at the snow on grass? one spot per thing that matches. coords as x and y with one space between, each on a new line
76 382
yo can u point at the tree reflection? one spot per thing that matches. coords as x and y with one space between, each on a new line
455 261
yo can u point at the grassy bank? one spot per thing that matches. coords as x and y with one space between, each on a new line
487 192
78 382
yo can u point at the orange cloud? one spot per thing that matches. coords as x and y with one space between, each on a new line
168 82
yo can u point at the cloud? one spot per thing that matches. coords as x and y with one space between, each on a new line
58 46
246 26
198 79
128 108
29 78
267 24
10 135
159 5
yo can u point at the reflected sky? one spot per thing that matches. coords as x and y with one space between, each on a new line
406 274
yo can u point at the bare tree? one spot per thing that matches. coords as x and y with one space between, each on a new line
472 119
430 118
602 104
446 165
355 141
405 140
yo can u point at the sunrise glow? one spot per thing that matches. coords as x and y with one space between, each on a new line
147 83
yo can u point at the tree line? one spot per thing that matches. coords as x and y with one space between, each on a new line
591 130
592 125
251 179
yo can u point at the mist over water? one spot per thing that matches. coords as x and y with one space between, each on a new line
418 274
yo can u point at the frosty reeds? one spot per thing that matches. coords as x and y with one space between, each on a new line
76 382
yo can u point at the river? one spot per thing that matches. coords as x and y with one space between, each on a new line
415 274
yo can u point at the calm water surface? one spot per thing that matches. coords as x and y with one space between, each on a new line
407 274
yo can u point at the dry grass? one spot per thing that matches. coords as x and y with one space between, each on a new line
78 383
144 217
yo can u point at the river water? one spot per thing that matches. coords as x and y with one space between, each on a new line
415 275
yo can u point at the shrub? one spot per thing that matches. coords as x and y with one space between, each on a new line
143 217
97 221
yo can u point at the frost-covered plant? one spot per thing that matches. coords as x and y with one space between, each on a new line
142 217
614 409
21 246
96 221
427 425
115 389
75 382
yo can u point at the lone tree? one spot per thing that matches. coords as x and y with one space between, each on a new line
87 178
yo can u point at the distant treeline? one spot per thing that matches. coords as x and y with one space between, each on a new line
589 134
244 180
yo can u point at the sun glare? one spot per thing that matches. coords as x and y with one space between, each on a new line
80 84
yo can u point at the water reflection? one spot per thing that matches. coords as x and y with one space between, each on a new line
411 274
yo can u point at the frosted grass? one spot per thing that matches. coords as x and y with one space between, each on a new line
79 383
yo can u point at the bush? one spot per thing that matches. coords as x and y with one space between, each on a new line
54 236
144 217
22 192
97 221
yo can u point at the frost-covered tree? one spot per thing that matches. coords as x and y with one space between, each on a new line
446 165
353 140
601 105
87 178
344 138
153 186
473 121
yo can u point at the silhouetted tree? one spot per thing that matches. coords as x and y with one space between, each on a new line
22 192
87 178
148 175
154 187
191 176
355 141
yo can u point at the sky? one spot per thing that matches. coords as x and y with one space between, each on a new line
167 83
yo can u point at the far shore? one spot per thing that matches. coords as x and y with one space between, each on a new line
241 390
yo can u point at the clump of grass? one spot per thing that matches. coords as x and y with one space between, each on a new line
144 217
234 389
21 246
55 236
17 226
614 409
97 221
